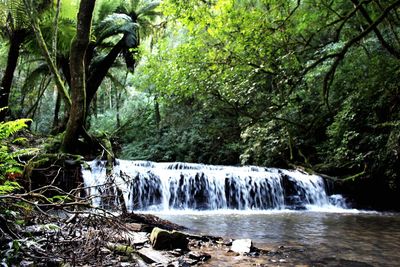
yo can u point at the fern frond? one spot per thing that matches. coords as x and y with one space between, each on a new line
18 14
25 152
115 24
8 187
11 127
105 8
69 9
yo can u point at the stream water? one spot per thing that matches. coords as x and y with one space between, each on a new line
370 238
273 207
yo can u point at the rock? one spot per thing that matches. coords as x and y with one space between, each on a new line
139 238
135 238
242 245
227 242
186 262
137 227
199 256
25 263
177 252
150 255
162 239
205 238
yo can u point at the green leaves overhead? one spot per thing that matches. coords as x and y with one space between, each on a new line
286 72
268 82
129 21
13 15
117 24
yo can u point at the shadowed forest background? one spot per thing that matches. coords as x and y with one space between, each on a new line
254 82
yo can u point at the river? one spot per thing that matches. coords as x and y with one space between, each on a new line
365 237
273 207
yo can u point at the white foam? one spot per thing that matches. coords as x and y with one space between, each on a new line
187 186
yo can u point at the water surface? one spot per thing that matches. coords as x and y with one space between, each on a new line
371 238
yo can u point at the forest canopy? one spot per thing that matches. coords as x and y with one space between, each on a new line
273 83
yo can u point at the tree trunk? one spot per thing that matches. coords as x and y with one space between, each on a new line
16 41
101 70
157 115
117 106
77 69
54 48
56 119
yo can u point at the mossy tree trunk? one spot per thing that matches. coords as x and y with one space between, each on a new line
77 70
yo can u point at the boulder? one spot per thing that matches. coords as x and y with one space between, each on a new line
161 239
242 245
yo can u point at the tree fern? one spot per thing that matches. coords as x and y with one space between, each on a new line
13 15
114 24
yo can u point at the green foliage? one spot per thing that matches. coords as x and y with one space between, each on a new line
9 166
286 77
7 129
8 187
263 82
265 145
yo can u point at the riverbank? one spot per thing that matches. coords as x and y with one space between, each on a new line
102 239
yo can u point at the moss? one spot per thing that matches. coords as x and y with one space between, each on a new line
162 239
120 248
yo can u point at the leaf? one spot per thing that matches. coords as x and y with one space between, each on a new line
8 187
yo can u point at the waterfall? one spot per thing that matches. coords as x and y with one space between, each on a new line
145 185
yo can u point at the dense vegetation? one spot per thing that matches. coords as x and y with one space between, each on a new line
275 83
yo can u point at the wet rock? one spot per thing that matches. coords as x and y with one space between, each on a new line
150 255
125 264
228 242
26 263
204 238
177 252
199 256
253 254
242 245
195 243
162 239
186 261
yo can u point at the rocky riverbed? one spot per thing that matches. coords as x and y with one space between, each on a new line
102 239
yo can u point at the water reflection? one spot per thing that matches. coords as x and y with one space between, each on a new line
366 237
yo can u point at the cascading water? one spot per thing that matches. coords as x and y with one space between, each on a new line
162 186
